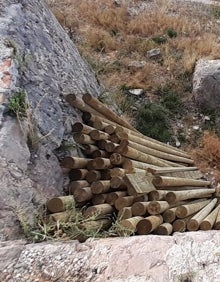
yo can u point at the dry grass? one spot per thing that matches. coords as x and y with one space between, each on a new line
207 155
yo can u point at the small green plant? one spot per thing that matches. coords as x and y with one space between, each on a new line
159 39
215 11
152 120
171 32
172 102
18 105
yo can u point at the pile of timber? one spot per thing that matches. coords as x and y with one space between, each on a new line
152 187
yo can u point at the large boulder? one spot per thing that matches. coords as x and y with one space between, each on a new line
39 61
206 84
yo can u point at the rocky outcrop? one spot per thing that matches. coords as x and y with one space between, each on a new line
206 84
36 58
185 257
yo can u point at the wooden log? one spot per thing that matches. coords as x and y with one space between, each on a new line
139 156
180 188
101 163
124 213
140 135
100 154
208 222
164 181
148 224
139 208
113 196
122 202
129 165
116 159
157 207
149 144
95 225
164 229
98 210
106 174
195 221
100 186
173 197
77 174
117 182
77 184
88 149
180 225
105 111
83 138
155 153
99 135
100 125
157 195
93 175
217 191
81 128
138 184
114 138
191 208
74 162
117 171
99 199
61 216
101 144
129 226
60 204
77 102
110 129
162 170
82 194
217 222
110 147
169 215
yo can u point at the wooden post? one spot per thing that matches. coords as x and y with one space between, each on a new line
129 165
60 204
93 175
110 147
128 226
209 221
95 225
113 196
157 207
100 154
164 229
217 222
74 162
82 194
164 181
88 149
99 135
99 199
191 208
83 139
122 202
162 170
124 213
173 197
155 153
116 159
148 224
195 221
180 225
105 111
99 125
110 129
60 216
101 144
82 128
157 195
78 174
77 184
139 208
117 182
98 210
101 163
139 156
114 138
169 215
117 171
101 186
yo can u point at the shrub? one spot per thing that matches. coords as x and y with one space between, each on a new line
152 121
18 105
171 32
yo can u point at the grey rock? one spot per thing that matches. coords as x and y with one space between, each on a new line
39 59
206 84
136 92
153 53
136 64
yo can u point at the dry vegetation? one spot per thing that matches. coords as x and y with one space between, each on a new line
112 37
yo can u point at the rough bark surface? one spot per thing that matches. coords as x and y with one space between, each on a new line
37 58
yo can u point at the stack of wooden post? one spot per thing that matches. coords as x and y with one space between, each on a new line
151 186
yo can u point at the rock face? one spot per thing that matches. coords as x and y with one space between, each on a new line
36 58
206 84
192 256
